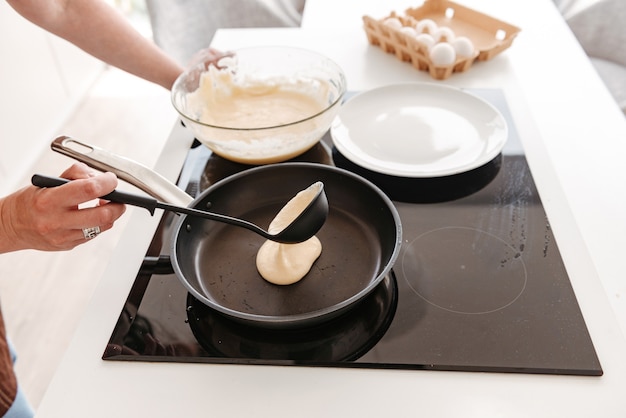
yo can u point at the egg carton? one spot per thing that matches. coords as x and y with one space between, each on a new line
487 36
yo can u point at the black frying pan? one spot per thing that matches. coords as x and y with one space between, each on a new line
216 262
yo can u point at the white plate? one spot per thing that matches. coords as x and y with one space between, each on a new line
419 130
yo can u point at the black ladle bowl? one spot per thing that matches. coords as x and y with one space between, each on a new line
303 227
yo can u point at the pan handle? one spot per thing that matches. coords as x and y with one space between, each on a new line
128 170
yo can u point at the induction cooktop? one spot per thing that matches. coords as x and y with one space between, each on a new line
479 284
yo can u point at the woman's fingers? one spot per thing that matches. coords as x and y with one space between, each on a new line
55 217
79 171
52 218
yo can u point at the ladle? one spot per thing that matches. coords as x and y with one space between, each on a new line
304 225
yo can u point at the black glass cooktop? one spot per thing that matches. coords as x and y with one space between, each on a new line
479 285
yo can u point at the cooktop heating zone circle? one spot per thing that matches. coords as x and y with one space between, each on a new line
464 270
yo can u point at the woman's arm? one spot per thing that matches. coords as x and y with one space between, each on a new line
103 32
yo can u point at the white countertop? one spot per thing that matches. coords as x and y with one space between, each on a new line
575 141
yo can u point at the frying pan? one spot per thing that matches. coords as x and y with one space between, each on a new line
216 262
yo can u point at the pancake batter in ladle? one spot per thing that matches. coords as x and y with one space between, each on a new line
285 264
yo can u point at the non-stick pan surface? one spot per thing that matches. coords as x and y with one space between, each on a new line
216 262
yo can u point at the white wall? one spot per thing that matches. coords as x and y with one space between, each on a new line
42 79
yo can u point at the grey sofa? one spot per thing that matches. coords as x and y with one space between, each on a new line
600 26
184 27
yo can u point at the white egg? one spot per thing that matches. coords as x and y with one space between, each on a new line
442 54
443 34
463 46
409 31
425 39
426 26
394 22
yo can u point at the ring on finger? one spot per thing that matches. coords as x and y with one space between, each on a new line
91 233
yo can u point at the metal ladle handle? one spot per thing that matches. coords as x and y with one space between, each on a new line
128 170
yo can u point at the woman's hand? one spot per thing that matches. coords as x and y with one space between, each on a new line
208 57
50 219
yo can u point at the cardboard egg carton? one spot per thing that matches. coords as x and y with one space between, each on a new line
489 36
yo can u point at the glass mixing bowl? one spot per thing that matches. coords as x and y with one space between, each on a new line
263 105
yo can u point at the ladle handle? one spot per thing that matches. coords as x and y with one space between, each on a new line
115 196
152 204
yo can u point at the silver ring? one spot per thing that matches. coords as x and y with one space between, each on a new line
91 233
